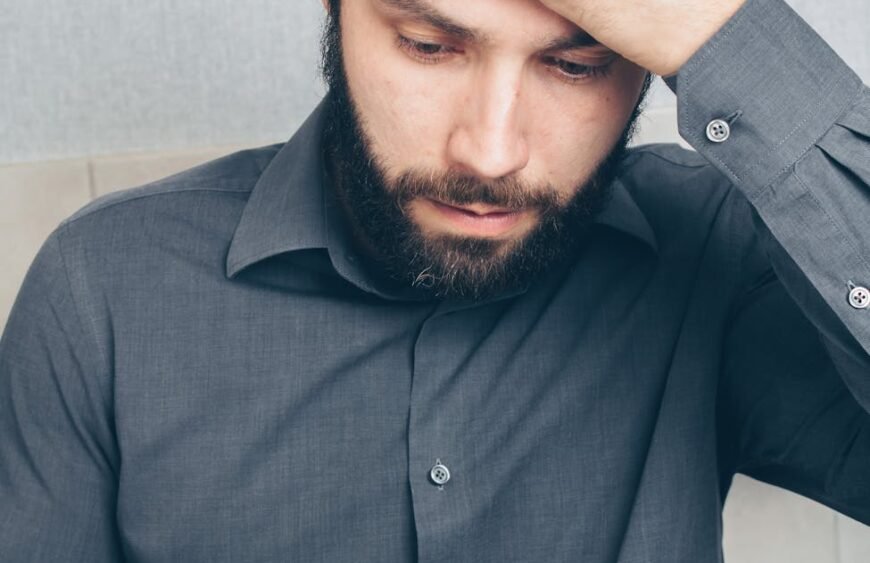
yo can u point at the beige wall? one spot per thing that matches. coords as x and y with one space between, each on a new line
762 524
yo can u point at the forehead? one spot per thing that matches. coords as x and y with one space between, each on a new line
485 20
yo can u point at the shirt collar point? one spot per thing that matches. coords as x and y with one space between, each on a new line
623 214
285 209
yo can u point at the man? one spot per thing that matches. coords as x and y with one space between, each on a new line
452 319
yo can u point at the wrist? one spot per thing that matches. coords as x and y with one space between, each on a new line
687 40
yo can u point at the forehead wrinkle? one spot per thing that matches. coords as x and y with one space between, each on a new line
422 10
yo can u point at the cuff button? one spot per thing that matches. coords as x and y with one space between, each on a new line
859 297
718 131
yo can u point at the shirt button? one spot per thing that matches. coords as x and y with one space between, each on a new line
439 474
859 297
718 131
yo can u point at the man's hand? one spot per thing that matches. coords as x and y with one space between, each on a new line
659 35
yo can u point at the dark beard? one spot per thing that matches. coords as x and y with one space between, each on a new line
448 266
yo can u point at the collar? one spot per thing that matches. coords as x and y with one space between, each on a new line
623 214
288 210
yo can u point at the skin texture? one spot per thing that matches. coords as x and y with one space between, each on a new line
473 251
493 106
659 35
493 127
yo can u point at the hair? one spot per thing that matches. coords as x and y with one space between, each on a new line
331 64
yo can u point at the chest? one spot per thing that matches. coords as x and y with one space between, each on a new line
302 424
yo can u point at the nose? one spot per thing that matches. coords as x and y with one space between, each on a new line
488 140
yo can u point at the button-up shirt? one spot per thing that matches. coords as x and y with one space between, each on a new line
203 370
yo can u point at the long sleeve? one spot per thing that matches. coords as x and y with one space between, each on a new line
774 109
58 459
799 149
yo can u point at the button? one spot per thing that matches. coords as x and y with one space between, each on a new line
859 297
439 474
718 131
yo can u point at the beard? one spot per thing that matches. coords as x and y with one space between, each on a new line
449 266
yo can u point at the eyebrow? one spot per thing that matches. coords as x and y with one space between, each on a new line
576 41
422 11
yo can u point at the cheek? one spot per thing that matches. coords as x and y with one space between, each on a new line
405 118
577 127
402 113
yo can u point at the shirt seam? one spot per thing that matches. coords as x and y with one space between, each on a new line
834 223
169 191
847 105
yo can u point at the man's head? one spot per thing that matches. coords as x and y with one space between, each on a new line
471 143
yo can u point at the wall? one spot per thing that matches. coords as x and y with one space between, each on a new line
94 77
116 76
100 95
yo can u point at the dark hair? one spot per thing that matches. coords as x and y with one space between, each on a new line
331 66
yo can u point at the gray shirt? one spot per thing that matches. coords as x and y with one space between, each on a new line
202 369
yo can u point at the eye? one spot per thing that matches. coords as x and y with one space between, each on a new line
575 72
425 51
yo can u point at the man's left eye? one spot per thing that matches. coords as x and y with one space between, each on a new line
574 71
424 51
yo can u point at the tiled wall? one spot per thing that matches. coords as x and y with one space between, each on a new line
762 524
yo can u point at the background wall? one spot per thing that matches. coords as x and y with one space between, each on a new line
89 77
94 77
98 95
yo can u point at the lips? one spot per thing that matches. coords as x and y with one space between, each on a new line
479 209
477 219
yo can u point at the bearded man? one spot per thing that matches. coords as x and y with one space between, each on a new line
454 318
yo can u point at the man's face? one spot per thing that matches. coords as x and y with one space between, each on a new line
471 141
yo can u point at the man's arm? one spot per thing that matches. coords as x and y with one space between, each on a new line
659 35
58 457
784 414
797 145
774 109
795 388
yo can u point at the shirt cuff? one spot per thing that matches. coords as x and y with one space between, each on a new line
760 93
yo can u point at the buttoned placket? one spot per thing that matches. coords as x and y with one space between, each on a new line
436 441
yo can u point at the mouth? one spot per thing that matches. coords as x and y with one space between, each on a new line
476 219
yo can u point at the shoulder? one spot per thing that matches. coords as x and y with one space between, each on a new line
159 227
203 201
668 154
679 190
226 177
671 175
692 208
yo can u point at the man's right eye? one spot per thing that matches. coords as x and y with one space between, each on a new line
424 51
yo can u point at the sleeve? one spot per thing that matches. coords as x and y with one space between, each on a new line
58 458
776 111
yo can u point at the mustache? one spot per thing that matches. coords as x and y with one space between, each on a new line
453 188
